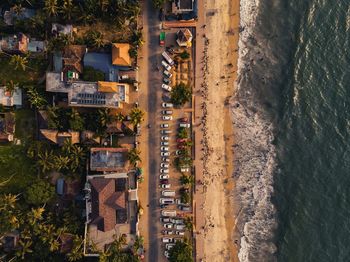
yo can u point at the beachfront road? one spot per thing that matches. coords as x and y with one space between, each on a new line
150 99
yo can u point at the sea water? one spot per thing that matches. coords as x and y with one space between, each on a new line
292 125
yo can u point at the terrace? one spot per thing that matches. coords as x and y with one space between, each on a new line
109 159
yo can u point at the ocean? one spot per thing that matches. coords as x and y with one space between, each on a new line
292 127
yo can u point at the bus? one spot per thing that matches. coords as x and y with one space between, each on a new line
168 58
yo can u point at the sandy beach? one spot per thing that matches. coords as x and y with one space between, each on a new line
219 72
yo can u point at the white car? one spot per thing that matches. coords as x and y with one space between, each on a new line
180 227
168 225
166 254
169 105
164 125
165 138
167 118
165 186
164 176
167 112
165 219
166 87
186 125
184 169
166 66
165 159
164 153
165 165
167 232
180 233
164 171
167 73
169 246
166 143
167 240
164 148
165 131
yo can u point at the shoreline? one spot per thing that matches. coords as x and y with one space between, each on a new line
219 70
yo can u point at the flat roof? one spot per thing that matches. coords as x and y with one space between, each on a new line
108 159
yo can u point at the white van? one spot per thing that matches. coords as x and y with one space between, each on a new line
166 66
169 213
167 200
168 193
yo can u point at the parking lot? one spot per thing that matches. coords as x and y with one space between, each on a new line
175 215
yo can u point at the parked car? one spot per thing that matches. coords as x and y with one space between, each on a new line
165 159
166 80
185 169
164 125
184 120
164 171
162 143
170 50
167 232
180 227
178 201
170 105
167 73
166 65
177 221
164 205
165 165
168 213
164 138
164 148
166 87
167 240
169 246
184 208
165 220
164 153
167 118
164 181
186 125
166 254
168 193
168 225
166 200
164 176
167 112
180 233
166 131
167 186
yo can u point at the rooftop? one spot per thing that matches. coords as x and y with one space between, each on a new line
179 6
8 99
120 54
108 159
89 94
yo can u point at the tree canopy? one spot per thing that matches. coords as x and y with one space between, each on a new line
180 94
181 252
39 193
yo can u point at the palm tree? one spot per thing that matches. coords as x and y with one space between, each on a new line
77 157
51 7
61 162
186 179
18 9
134 156
136 116
35 98
35 215
120 117
8 201
105 117
24 248
188 223
67 9
77 251
45 161
10 87
19 62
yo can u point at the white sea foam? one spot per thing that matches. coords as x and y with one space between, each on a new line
254 153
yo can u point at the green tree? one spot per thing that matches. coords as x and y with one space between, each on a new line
10 87
134 156
184 55
182 133
68 9
94 39
185 197
186 180
180 94
60 42
19 62
136 116
35 98
51 7
61 162
18 9
77 251
45 161
8 213
24 248
181 252
76 122
158 3
39 193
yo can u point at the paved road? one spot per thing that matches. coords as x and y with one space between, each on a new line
152 58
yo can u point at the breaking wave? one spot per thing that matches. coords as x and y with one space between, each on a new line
259 77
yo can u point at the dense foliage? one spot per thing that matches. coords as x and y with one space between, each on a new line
39 193
181 252
180 94
92 75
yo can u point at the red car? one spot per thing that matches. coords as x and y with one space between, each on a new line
181 140
164 181
184 120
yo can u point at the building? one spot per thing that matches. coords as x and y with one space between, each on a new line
120 54
57 137
184 38
109 160
58 29
181 6
9 241
11 98
89 94
21 43
7 127
11 15
72 62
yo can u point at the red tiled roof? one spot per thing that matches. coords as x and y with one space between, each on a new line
106 202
